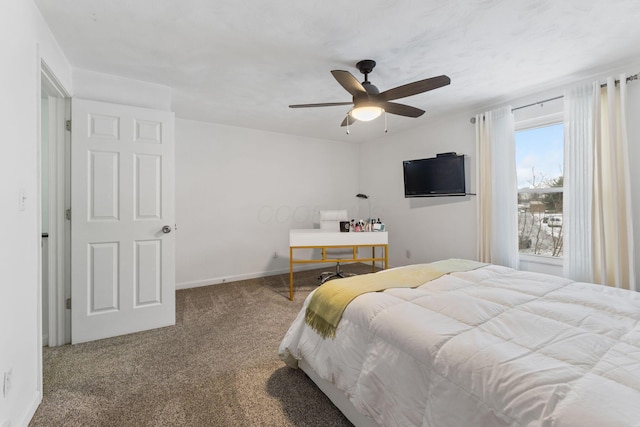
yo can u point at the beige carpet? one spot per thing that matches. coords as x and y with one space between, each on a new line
218 366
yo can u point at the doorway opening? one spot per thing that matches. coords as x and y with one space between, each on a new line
55 202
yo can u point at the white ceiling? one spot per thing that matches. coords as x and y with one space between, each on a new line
242 62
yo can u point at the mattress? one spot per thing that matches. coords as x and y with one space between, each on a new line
488 347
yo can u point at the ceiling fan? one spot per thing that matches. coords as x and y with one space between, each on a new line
368 102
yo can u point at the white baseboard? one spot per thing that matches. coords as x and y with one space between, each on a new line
225 279
37 399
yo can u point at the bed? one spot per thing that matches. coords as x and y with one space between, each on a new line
484 346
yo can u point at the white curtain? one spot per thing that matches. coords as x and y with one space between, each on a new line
600 232
613 225
496 188
579 105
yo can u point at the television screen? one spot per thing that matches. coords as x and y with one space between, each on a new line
437 176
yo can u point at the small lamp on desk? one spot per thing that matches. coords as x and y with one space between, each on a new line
364 196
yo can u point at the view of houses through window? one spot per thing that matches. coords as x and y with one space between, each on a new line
539 165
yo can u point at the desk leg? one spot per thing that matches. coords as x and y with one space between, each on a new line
290 274
386 256
373 255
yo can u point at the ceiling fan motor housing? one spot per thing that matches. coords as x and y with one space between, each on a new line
370 88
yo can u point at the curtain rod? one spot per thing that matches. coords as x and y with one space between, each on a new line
537 103
630 78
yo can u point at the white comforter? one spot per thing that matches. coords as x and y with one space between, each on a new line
490 347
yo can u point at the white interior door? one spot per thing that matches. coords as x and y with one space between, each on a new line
122 196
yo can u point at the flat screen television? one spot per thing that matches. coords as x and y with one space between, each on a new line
442 175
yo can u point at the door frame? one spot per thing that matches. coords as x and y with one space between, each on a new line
59 284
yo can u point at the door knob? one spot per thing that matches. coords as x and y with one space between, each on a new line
166 229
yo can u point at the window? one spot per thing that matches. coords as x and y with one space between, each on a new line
539 166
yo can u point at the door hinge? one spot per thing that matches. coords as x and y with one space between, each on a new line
68 303
67 125
67 214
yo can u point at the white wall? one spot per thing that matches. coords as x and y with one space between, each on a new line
429 228
239 191
24 38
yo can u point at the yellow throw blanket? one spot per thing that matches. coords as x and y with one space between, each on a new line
330 300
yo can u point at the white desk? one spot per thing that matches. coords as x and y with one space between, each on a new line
322 239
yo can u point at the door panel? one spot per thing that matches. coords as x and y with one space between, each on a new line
103 186
148 272
123 272
103 277
148 187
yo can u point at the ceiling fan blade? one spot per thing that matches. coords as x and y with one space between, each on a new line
415 88
348 118
350 83
324 104
401 109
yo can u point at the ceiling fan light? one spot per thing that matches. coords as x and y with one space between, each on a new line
366 113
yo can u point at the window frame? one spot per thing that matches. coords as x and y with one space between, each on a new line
532 123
